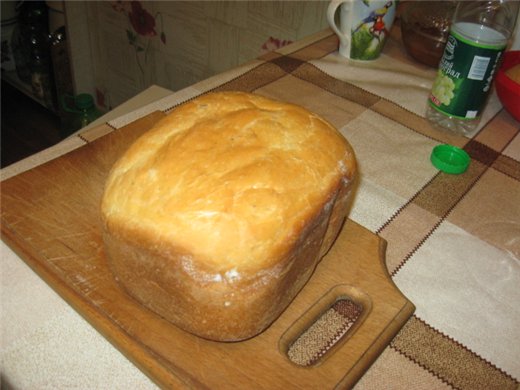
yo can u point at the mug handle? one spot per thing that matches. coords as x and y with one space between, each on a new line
344 39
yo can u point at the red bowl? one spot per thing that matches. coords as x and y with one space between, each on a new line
507 90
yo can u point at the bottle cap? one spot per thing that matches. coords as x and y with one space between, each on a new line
450 159
83 101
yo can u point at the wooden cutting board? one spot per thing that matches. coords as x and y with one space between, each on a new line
50 218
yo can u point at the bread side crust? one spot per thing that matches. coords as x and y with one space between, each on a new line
222 307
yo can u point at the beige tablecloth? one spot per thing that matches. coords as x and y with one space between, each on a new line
453 240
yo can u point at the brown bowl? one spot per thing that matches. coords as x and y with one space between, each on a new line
425 27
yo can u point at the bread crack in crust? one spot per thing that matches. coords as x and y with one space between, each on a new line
216 217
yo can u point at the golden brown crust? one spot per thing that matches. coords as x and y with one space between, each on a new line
217 216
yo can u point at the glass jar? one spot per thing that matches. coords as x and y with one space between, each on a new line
31 43
21 54
425 27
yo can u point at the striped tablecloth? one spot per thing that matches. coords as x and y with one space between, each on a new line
453 240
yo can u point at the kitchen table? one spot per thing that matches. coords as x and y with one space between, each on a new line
453 241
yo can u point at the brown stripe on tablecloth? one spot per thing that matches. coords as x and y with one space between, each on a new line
278 65
318 49
491 211
314 50
253 79
437 198
444 191
393 370
507 166
268 56
426 198
499 132
480 152
308 95
416 123
449 360
337 87
407 231
288 64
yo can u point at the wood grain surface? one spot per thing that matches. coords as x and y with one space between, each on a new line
50 217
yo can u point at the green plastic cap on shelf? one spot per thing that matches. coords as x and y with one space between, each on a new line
83 101
450 159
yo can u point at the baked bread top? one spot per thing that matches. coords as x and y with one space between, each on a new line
230 178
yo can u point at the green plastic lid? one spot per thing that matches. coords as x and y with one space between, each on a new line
450 159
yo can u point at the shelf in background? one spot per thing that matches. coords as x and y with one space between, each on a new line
12 79
27 126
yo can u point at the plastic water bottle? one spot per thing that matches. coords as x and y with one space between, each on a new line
479 34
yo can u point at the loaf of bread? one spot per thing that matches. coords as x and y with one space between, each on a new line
217 216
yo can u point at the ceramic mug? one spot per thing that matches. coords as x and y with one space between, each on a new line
363 27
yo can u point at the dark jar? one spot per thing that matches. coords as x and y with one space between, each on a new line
33 44
425 26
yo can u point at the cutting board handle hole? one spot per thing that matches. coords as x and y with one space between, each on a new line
326 326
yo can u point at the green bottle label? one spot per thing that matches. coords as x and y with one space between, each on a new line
464 78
